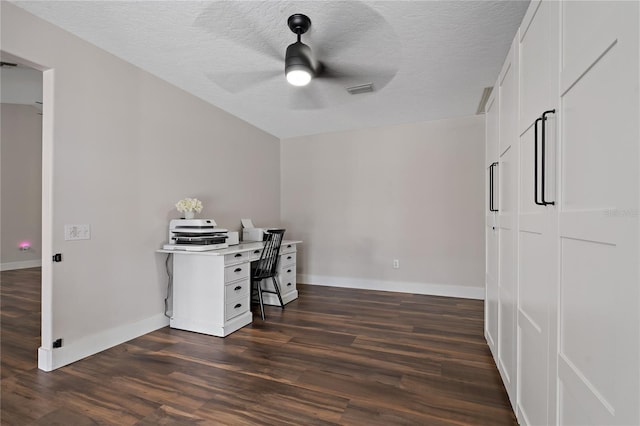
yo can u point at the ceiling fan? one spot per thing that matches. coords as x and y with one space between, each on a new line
344 55
299 64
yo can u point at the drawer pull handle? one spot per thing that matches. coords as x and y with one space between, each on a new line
238 255
237 270
288 270
289 257
256 252
238 287
238 305
289 246
289 285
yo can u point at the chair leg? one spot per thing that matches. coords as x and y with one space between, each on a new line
277 287
259 283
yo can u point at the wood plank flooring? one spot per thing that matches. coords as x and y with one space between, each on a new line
334 356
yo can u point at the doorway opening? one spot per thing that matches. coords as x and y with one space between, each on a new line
26 176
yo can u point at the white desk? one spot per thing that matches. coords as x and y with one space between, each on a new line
212 289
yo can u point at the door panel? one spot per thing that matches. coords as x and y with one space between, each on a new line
491 304
599 325
491 233
533 380
507 220
508 104
492 130
507 266
537 270
539 45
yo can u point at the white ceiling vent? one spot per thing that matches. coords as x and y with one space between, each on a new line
483 100
363 88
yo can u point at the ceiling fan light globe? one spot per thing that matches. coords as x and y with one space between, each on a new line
298 77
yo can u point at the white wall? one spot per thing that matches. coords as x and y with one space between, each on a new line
125 147
410 192
21 185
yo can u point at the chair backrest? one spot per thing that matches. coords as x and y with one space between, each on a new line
268 263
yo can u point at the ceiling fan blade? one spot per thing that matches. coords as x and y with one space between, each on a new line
350 74
307 98
236 82
340 31
237 27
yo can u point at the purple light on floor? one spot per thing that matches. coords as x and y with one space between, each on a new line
25 245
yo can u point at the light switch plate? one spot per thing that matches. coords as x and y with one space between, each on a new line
77 232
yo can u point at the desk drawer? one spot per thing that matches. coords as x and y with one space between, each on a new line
287 285
236 272
286 274
237 289
255 254
287 259
236 258
287 248
236 307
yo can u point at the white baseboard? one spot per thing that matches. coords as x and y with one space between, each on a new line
50 359
449 290
8 266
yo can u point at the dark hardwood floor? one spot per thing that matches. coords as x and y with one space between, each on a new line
334 356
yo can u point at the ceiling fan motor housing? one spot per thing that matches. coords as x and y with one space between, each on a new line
299 56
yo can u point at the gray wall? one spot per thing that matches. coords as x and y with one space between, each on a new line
21 181
125 147
410 192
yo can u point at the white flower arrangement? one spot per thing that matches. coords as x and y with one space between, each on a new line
189 205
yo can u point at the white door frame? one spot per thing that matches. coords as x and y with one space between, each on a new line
46 316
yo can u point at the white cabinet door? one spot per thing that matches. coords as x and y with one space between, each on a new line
507 296
491 232
537 224
537 288
599 297
508 100
507 221
492 129
539 56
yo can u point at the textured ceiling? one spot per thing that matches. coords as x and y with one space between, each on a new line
427 59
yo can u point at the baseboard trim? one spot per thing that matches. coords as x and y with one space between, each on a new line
9 266
51 359
448 290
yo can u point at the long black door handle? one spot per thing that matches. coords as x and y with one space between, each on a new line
543 169
491 206
491 209
535 162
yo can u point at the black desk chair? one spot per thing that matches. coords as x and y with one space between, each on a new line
267 267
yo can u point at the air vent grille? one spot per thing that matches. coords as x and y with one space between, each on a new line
362 88
483 100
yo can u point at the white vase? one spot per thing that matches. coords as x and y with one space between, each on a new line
190 214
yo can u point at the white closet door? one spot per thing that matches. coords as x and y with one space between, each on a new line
492 130
539 51
536 285
491 231
537 227
599 322
507 221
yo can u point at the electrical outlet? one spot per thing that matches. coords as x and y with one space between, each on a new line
77 232
396 264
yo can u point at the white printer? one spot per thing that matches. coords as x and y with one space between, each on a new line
251 233
195 235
